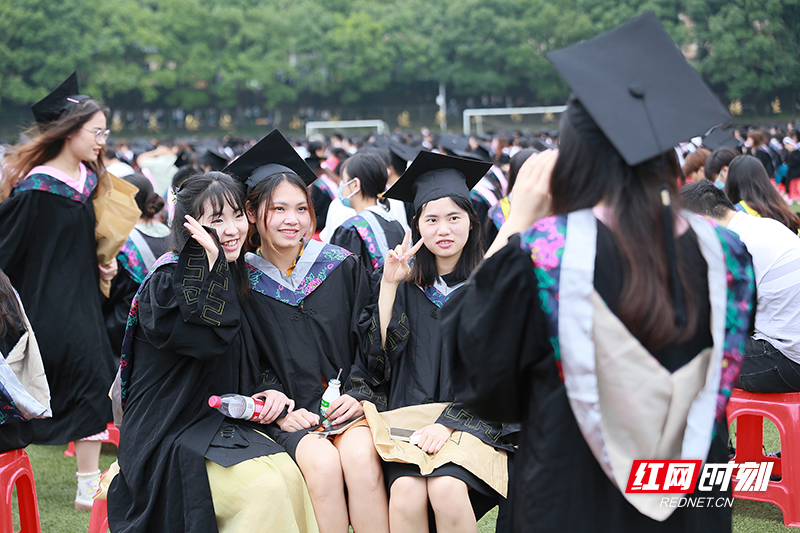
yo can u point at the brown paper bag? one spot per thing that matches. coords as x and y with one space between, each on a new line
463 449
117 213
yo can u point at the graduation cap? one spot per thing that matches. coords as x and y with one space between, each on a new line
639 89
403 151
271 155
451 143
717 139
213 159
484 152
183 159
51 107
635 84
432 176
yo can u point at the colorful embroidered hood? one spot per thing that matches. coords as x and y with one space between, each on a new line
318 261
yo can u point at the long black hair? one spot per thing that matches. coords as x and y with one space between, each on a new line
590 170
148 201
748 180
220 190
424 273
516 163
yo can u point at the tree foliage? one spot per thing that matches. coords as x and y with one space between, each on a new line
195 53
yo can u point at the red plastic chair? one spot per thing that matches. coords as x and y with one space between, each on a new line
113 438
794 189
98 523
784 411
15 469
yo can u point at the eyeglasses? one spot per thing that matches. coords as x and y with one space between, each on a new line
100 135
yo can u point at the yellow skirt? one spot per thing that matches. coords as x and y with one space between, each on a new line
262 494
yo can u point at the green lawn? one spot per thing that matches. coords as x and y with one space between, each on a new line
55 487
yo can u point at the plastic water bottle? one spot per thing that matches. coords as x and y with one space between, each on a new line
237 406
331 393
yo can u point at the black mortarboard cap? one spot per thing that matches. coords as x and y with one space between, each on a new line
639 89
717 139
451 143
184 158
214 159
432 176
51 107
271 155
403 151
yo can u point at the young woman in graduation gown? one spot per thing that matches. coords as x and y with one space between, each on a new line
49 252
306 297
407 354
145 244
750 190
183 465
372 232
584 326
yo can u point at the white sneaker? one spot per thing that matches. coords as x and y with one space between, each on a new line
87 485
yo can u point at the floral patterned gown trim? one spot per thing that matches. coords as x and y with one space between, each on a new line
132 261
545 242
365 233
318 261
47 183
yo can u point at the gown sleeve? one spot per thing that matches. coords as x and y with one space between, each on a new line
17 218
380 359
189 309
491 372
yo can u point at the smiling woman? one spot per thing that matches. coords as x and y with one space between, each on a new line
186 341
306 298
52 263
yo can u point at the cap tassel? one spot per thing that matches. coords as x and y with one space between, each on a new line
637 91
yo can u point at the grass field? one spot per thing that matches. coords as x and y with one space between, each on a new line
55 487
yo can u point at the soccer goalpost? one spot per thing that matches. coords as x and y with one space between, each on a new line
313 127
479 113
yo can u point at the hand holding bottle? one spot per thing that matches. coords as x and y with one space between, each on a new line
274 402
343 409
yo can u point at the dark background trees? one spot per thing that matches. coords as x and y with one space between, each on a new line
193 54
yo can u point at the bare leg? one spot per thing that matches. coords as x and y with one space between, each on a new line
451 506
367 501
319 462
408 505
87 453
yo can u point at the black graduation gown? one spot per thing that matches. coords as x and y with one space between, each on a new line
49 252
191 342
558 484
123 289
306 345
413 367
349 239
